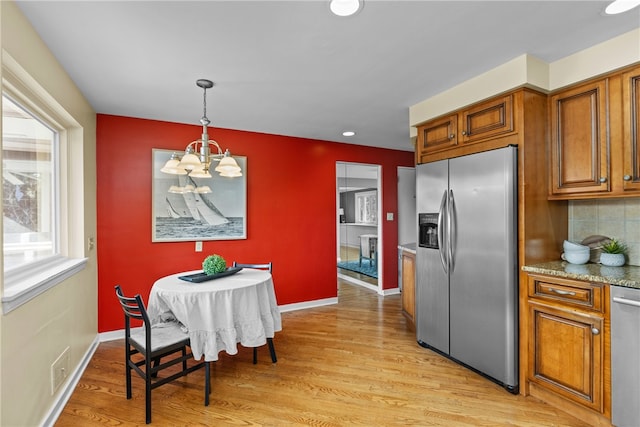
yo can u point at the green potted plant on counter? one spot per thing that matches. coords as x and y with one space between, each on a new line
613 253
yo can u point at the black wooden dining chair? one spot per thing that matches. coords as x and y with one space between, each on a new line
153 343
261 266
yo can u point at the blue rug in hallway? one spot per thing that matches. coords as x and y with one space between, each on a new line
371 271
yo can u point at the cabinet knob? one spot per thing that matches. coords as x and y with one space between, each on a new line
451 136
627 177
603 179
464 132
595 331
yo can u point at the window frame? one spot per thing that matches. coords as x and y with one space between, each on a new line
23 283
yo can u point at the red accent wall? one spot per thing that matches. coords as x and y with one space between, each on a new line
291 210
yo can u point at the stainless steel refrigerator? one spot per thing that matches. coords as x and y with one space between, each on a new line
467 262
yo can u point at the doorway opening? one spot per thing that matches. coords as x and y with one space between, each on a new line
359 229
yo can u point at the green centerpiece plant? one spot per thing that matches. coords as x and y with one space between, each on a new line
214 264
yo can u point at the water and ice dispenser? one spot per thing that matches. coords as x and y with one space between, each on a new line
428 230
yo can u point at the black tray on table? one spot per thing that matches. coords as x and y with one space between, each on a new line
203 277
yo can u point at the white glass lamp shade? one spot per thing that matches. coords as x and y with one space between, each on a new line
228 165
200 173
231 174
190 162
172 167
203 189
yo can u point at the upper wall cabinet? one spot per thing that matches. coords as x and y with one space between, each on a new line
594 138
440 134
631 129
579 140
487 120
477 123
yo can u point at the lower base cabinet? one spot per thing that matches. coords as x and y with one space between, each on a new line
567 337
409 287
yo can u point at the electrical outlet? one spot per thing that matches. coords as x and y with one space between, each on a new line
198 246
91 243
59 370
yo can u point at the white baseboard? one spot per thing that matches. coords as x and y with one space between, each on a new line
115 335
392 291
69 386
384 292
358 282
307 304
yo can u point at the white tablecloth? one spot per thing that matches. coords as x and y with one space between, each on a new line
219 314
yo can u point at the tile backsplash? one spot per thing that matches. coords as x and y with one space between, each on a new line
619 218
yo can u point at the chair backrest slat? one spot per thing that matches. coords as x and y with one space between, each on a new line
132 307
260 266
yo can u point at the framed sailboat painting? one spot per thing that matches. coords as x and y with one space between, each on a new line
186 208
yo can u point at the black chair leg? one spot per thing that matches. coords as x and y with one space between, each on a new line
207 382
128 374
184 362
272 350
156 362
255 355
147 393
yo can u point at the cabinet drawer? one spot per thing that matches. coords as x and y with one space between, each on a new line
567 292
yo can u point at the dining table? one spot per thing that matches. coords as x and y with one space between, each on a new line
218 314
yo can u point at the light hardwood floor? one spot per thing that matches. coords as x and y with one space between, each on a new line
353 363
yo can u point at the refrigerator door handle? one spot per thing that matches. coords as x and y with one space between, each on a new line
441 247
451 229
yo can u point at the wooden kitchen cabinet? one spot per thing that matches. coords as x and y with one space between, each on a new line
440 134
631 130
477 123
567 337
409 288
594 127
487 120
579 140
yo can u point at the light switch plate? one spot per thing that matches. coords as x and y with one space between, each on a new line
389 216
198 246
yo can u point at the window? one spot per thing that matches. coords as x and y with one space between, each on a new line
42 200
29 165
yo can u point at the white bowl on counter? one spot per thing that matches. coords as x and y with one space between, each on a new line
568 245
577 256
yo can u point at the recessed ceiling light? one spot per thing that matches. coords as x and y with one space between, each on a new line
620 6
348 133
345 7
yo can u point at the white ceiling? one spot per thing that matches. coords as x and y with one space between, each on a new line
293 68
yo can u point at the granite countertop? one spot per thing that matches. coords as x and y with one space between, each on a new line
627 276
409 247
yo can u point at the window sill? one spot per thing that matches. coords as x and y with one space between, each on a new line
27 283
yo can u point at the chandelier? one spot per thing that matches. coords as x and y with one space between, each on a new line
197 158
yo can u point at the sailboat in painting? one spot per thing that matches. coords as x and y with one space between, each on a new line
190 204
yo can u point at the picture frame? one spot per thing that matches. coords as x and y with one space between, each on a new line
182 210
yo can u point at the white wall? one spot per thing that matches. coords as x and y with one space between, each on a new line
33 335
